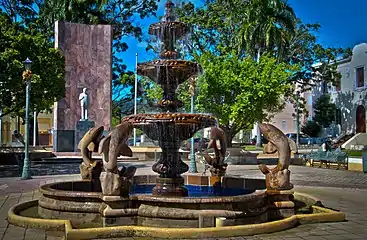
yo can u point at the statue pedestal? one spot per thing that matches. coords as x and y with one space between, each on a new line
63 140
281 204
82 127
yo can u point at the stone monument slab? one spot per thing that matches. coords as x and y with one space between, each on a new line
88 64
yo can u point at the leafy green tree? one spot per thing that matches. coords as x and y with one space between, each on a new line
241 91
47 83
305 51
311 128
324 111
41 15
242 27
123 96
224 26
120 14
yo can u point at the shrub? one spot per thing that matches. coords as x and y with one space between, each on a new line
311 128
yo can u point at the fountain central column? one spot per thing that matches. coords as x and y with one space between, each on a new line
169 166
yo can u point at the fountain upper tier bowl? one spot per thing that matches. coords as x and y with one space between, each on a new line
168 71
164 30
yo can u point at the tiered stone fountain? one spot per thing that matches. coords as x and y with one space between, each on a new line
139 206
169 128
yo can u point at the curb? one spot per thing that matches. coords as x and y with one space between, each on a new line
321 215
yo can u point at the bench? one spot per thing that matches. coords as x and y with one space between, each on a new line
328 157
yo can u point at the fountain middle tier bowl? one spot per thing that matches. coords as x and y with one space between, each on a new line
168 71
171 126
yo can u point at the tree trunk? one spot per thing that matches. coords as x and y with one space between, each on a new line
30 130
229 137
18 124
229 141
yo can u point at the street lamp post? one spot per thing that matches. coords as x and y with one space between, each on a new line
27 77
1 125
34 128
193 168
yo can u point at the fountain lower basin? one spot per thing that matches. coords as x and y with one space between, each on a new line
78 209
239 200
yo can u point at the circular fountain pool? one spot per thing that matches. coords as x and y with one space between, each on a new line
240 200
79 209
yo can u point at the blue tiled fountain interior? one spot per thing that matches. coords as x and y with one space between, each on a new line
196 191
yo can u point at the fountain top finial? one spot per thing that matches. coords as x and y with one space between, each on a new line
169 15
169 3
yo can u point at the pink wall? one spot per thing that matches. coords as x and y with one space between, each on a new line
88 63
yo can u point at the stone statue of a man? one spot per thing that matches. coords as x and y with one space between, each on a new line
84 103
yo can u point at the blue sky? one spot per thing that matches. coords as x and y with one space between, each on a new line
343 24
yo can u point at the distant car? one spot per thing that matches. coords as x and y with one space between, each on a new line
263 140
130 142
199 144
305 139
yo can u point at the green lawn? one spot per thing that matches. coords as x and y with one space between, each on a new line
353 153
252 148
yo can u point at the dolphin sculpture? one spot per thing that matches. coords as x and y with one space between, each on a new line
218 142
115 145
278 177
88 144
115 182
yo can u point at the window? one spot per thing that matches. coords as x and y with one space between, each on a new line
283 124
337 84
324 87
360 77
309 100
338 116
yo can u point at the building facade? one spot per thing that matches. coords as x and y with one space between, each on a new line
350 91
9 125
286 119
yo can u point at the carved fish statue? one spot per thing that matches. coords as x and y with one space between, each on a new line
278 177
87 145
115 145
111 147
218 142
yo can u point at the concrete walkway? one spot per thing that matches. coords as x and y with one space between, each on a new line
338 189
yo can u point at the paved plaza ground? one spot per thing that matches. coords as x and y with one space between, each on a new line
338 189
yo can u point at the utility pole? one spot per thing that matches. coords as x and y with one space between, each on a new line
136 92
258 132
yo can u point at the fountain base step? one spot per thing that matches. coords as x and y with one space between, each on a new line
170 187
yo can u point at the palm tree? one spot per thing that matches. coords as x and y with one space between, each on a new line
79 11
75 9
269 25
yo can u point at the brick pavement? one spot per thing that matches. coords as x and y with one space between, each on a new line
338 189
